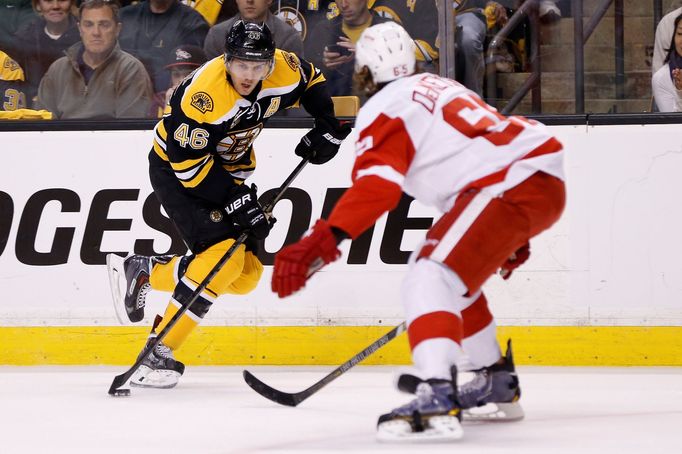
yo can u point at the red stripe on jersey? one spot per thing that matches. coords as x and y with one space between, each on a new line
361 205
476 317
434 325
550 146
384 142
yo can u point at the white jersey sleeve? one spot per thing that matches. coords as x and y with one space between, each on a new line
435 138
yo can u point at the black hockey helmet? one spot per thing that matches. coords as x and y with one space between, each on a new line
249 41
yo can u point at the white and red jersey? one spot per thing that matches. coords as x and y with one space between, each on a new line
432 138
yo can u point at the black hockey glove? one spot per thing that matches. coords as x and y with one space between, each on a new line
246 213
322 142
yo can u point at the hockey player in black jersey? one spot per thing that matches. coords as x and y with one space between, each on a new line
201 155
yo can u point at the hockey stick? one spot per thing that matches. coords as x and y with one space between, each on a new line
293 399
122 379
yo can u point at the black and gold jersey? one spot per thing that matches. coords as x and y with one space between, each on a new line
12 84
207 137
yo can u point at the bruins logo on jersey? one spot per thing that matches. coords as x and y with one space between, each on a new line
292 60
235 145
202 102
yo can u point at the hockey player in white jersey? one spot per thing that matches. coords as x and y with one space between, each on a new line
498 182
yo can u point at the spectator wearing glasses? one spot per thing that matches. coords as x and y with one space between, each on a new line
96 79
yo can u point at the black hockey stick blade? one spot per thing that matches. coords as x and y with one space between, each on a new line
282 398
293 399
118 381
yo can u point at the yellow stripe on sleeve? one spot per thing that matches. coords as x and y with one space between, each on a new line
159 151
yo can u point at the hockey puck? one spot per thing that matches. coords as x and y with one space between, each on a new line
121 393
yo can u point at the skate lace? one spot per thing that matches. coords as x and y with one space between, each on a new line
163 351
427 400
476 390
142 295
424 393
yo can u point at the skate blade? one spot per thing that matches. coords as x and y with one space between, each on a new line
441 429
144 377
117 285
501 412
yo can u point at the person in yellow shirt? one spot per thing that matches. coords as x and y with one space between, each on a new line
331 45
12 84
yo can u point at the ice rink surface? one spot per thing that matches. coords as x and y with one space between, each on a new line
568 410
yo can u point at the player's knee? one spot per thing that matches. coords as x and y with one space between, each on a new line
427 272
204 262
251 274
201 305
431 286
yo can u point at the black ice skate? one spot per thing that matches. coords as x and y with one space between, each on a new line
492 395
159 370
434 415
129 282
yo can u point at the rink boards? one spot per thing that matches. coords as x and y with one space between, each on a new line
603 286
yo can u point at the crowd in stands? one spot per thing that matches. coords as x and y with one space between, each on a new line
96 59
666 65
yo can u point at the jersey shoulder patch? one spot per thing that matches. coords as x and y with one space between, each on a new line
291 59
202 101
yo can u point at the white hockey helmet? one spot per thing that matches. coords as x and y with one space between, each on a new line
387 50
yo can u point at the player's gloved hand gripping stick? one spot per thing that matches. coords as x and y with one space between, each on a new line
120 380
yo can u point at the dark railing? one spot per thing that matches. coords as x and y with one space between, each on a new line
493 46
581 36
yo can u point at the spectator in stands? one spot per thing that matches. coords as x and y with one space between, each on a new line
43 40
331 45
286 37
664 32
304 16
152 28
96 79
13 14
666 84
209 9
12 84
183 60
420 21
470 38
549 12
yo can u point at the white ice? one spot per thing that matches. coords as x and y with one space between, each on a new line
568 410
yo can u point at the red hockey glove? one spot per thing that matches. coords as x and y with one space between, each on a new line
296 262
514 261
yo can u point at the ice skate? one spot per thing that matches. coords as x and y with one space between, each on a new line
159 370
492 395
434 415
129 283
